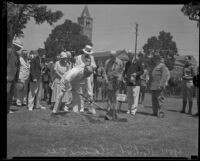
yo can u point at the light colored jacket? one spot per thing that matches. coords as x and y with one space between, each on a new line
24 69
114 68
160 76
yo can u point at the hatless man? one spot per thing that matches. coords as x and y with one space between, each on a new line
135 70
35 82
159 78
12 69
71 81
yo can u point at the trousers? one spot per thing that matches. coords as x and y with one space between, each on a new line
22 94
10 93
133 97
187 90
34 95
157 101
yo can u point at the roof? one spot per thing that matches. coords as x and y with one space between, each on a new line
178 63
181 59
85 12
121 54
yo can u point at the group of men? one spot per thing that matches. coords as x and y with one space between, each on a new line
24 79
80 81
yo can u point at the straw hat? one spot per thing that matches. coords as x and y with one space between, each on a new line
17 41
88 50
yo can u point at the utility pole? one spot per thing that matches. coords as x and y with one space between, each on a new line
198 21
136 34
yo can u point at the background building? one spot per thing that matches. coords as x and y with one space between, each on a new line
179 64
86 23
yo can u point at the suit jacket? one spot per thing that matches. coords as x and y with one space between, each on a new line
12 64
35 69
160 76
134 67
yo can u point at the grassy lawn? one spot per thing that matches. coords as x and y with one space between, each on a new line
37 133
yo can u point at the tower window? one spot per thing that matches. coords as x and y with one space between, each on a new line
88 23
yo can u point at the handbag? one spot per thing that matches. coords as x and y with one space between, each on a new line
20 85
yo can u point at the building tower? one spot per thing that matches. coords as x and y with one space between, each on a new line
85 21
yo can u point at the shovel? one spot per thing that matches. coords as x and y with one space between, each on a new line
110 115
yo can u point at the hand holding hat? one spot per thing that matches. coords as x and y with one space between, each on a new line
18 42
88 50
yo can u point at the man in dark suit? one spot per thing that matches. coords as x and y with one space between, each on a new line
133 81
35 81
12 69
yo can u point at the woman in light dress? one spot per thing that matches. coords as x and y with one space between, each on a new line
61 66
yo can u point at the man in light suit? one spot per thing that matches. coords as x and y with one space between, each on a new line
71 82
160 76
80 61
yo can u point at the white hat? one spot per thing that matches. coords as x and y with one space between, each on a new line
88 49
63 55
113 52
18 42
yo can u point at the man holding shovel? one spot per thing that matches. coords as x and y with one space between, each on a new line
71 81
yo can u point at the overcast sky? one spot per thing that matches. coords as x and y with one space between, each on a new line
114 26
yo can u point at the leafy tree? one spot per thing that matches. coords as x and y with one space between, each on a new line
18 16
165 45
65 36
192 10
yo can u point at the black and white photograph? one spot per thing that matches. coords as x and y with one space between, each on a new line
102 80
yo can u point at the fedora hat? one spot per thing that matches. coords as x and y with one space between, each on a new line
17 41
88 50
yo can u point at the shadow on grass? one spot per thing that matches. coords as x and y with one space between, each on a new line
172 110
144 113
14 109
146 106
101 109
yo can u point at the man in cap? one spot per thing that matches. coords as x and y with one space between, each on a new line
80 61
12 69
114 72
71 82
34 95
159 78
187 84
